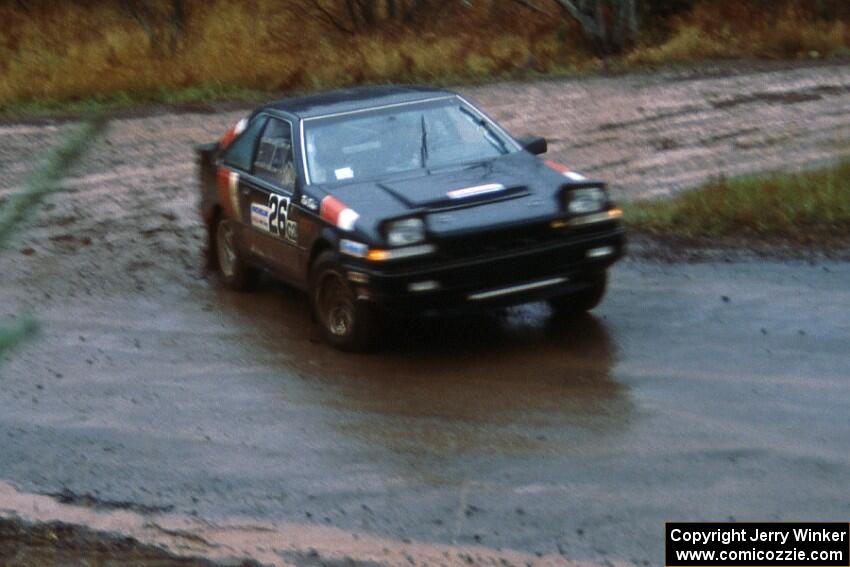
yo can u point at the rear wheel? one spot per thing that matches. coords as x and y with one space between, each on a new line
235 273
581 301
347 323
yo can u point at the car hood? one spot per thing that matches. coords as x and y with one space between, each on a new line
509 190
457 188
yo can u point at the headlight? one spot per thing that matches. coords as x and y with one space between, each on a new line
405 232
583 201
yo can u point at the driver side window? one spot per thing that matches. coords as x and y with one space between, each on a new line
274 155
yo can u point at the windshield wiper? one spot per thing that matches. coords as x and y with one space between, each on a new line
423 147
463 166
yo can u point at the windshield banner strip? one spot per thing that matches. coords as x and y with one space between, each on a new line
379 107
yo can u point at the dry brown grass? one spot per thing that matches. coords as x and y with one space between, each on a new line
732 29
95 49
73 50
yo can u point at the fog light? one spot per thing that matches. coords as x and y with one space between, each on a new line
358 277
600 252
418 287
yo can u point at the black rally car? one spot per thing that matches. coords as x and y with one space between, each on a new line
401 199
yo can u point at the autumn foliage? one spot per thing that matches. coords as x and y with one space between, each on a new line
151 49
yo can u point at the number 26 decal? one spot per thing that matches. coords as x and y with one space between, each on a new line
279 222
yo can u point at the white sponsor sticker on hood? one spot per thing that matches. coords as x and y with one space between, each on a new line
477 190
344 173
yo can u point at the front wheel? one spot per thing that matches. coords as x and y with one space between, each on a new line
235 273
347 323
581 301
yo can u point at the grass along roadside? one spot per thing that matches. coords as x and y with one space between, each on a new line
216 93
123 100
810 208
205 96
53 60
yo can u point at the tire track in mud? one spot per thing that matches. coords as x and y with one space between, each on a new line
128 226
133 203
128 219
127 230
657 134
647 134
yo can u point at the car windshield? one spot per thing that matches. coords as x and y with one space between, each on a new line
403 138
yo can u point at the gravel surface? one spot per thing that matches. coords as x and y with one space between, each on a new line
699 391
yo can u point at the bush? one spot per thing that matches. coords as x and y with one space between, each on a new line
805 207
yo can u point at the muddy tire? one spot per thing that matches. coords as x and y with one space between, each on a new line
347 323
234 272
580 302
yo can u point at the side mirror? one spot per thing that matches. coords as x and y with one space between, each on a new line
534 144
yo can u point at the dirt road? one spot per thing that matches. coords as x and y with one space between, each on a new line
698 391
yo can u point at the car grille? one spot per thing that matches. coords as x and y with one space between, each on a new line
497 241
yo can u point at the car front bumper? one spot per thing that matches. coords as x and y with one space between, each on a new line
519 276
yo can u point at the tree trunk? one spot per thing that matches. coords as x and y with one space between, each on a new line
609 25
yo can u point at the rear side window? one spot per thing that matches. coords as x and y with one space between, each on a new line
274 154
241 151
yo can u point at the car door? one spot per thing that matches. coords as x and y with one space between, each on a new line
273 234
234 168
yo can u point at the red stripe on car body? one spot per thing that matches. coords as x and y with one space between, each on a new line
337 213
559 167
231 134
331 208
223 182
228 137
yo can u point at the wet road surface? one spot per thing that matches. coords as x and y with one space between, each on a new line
153 391
511 432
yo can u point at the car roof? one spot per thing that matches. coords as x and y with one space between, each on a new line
356 98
